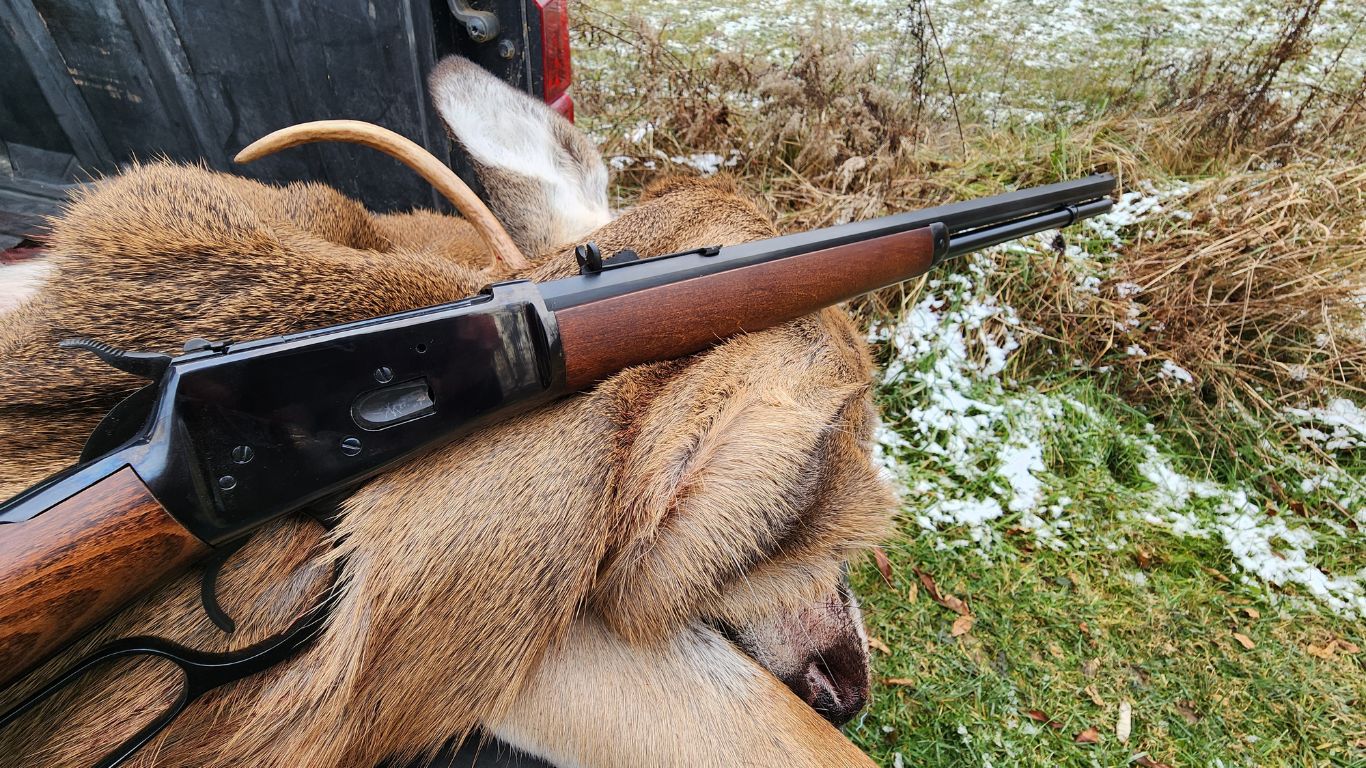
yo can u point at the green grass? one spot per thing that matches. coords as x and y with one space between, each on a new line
1127 612
1164 644
1124 610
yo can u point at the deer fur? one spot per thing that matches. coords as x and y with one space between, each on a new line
614 579
503 250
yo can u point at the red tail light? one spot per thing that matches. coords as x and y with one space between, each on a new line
555 55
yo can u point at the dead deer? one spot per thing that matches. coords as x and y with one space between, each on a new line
649 573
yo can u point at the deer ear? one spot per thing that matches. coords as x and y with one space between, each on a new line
542 178
725 468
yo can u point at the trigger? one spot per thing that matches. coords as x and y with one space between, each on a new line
208 584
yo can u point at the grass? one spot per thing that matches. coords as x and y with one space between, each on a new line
1123 604
1127 612
1073 634
1090 582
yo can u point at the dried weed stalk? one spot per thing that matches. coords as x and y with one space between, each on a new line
1264 99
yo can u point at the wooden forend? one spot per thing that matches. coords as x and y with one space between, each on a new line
669 321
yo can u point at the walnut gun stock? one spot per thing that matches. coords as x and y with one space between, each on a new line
82 559
227 437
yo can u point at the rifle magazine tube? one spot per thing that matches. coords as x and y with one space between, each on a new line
985 237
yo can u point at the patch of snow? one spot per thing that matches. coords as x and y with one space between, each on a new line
1345 420
1134 207
1263 546
706 162
1271 550
1021 465
1089 284
1173 371
639 133
1172 490
973 514
1137 578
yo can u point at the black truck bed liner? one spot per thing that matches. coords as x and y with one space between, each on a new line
90 86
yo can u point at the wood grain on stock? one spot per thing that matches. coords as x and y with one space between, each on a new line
669 321
75 564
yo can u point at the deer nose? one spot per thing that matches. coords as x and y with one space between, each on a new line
834 682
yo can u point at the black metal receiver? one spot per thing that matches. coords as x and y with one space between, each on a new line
234 435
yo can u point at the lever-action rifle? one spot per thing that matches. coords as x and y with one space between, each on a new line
230 436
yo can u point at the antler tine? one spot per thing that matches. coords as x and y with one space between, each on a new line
410 154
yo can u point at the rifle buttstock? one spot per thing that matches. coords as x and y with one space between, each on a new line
70 567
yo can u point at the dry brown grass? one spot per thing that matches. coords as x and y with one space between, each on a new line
1257 295
1266 291
1245 102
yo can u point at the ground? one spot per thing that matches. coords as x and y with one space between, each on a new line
1133 455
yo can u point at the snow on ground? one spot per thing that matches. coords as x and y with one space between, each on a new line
1266 547
969 447
950 350
1013 60
1344 420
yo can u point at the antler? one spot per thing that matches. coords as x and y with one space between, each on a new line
410 154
